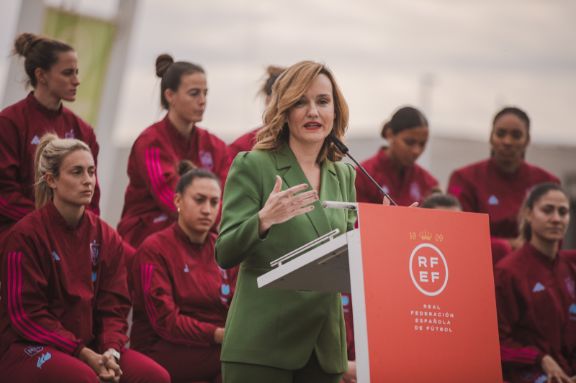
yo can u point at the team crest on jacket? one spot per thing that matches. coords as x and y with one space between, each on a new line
572 311
94 252
493 200
206 160
415 193
570 286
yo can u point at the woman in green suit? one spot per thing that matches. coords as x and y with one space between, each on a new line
271 206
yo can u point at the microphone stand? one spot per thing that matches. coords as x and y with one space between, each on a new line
344 150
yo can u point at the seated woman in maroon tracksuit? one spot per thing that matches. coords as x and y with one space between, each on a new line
498 185
64 291
154 157
52 70
394 167
535 294
181 296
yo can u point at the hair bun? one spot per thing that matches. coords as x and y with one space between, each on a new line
185 166
273 70
385 128
24 42
46 139
163 62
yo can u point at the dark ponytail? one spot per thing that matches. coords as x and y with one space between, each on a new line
273 72
38 52
404 118
188 172
171 73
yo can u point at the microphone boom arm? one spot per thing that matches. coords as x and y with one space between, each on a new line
344 150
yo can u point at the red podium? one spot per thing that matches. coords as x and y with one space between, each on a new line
422 290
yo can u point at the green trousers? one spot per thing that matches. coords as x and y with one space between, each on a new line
253 373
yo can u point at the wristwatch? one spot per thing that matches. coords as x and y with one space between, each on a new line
115 354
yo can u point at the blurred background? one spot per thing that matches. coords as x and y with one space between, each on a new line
458 61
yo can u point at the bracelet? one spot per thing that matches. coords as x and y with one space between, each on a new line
115 354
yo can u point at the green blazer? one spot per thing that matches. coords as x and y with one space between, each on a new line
274 327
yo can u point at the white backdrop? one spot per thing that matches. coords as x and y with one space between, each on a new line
459 60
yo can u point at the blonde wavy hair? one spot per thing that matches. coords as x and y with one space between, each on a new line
287 90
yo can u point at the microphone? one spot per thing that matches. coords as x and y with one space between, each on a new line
344 150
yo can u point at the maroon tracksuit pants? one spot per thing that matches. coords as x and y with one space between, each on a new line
33 363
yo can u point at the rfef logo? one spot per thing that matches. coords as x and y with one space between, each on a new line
428 269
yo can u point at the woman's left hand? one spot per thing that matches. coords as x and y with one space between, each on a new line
283 205
350 374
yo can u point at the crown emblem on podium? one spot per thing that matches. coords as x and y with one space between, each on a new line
425 235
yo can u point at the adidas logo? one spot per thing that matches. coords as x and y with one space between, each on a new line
186 268
538 287
35 140
493 200
225 289
345 300
55 256
160 218
43 359
542 379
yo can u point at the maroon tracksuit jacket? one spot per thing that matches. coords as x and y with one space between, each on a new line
243 143
413 185
63 287
181 295
22 125
153 172
483 188
536 301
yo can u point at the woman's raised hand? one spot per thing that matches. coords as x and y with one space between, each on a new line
283 205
